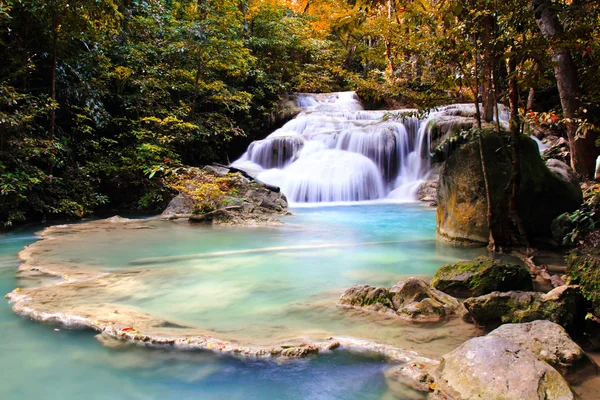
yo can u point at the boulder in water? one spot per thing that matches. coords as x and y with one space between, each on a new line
481 276
550 343
564 305
413 300
215 194
462 206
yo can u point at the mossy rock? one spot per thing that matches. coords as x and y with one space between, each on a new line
564 305
583 266
413 300
462 208
481 276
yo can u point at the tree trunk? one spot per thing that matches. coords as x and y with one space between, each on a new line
487 95
53 76
476 91
583 150
531 95
518 233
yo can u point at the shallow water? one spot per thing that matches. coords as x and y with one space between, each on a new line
282 289
276 285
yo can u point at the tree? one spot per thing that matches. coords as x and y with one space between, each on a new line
583 150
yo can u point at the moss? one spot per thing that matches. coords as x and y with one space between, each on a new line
583 267
480 276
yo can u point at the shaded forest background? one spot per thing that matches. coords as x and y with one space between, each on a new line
97 96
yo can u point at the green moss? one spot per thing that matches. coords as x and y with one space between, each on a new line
480 276
583 267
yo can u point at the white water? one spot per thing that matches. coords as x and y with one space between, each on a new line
334 151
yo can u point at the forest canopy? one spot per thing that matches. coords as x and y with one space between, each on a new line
97 96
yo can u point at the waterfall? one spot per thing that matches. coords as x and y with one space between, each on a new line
335 151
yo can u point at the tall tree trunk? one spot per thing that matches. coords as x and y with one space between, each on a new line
53 75
491 241
583 150
531 94
487 95
476 91
519 234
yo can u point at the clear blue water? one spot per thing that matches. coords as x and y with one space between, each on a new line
275 292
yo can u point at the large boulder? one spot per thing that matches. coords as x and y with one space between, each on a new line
224 195
481 276
413 300
565 305
462 206
494 368
550 343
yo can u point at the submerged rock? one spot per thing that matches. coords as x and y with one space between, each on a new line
462 211
481 276
413 299
494 368
550 343
564 305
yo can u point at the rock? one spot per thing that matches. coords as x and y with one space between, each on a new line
481 276
454 121
416 300
462 205
373 298
427 192
493 368
583 267
564 305
550 343
410 380
564 173
413 300
560 227
242 200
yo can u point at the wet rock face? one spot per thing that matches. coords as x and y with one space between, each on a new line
564 305
462 208
494 368
550 343
481 276
413 299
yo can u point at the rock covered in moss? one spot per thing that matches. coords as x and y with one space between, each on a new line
583 267
462 206
565 305
494 368
481 276
413 299
550 343
366 296
217 194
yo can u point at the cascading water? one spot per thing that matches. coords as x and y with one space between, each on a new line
335 151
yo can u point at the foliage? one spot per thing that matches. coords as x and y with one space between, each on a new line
208 192
94 94
586 219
